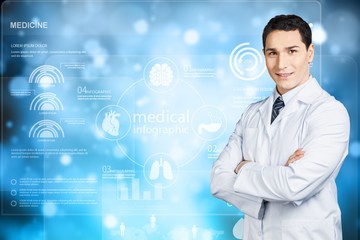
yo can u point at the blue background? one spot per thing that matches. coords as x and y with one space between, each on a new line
118 40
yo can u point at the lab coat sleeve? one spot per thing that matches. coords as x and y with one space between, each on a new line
325 144
223 178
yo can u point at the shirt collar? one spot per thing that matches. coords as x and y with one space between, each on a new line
287 96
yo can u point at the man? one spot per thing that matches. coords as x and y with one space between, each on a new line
280 164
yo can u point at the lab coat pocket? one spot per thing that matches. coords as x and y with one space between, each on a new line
323 229
250 143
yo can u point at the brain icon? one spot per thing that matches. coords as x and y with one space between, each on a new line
161 75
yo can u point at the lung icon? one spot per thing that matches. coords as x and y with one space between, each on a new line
161 166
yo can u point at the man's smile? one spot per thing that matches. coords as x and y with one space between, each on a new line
284 76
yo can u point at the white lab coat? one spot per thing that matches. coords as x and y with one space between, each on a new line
284 203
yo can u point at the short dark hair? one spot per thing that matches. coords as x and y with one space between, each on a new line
289 23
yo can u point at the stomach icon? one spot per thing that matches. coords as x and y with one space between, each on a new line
211 127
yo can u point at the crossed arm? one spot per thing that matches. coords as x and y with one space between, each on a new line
299 153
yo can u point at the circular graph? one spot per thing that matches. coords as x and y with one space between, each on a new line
246 63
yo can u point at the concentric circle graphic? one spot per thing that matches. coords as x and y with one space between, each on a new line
246 63
46 76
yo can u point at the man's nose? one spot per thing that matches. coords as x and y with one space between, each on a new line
282 61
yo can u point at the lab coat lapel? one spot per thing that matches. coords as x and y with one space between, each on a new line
310 92
265 112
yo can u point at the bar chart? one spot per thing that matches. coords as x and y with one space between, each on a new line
130 190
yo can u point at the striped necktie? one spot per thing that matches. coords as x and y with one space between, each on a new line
278 104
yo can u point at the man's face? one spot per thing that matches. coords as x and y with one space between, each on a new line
287 59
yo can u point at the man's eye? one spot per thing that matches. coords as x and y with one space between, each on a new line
292 51
272 53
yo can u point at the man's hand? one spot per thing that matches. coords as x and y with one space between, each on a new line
240 165
299 153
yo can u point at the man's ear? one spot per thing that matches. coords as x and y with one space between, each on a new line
311 51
